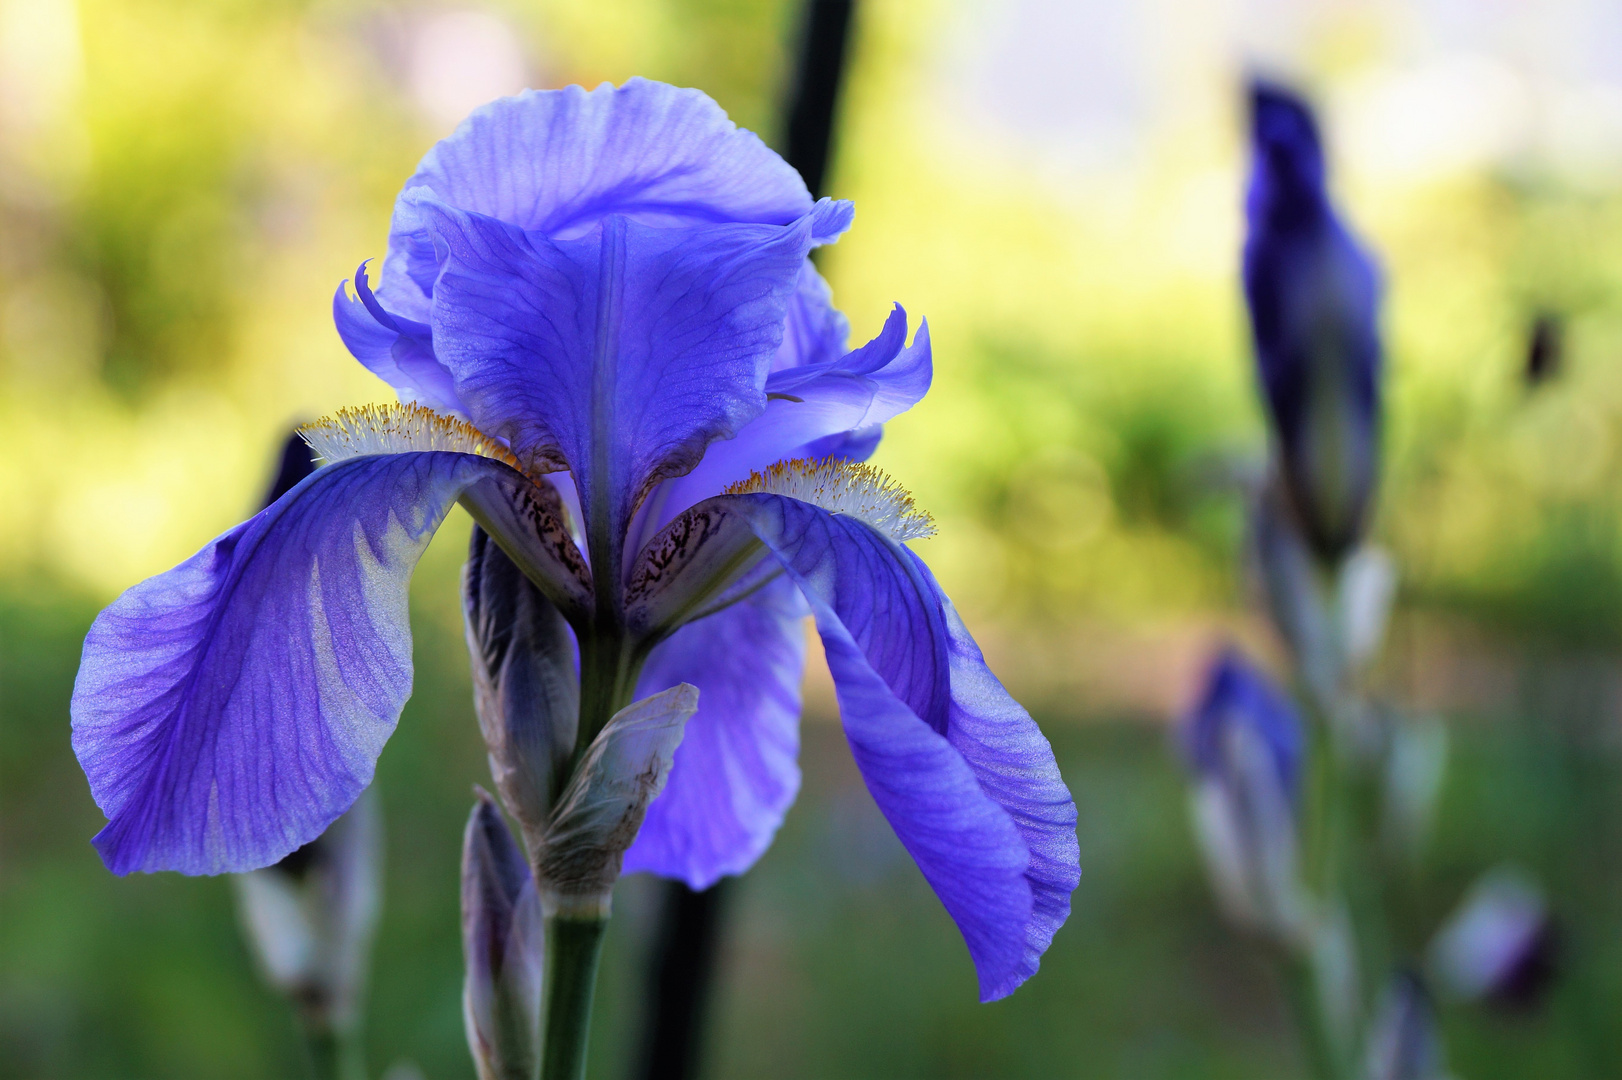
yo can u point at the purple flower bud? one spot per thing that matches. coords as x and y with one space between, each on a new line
1499 946
1313 295
525 689
502 946
1245 746
1403 1042
309 918
296 463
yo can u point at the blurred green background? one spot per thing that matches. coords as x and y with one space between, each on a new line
1056 186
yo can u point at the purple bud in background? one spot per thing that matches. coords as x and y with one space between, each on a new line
502 946
1403 1042
1245 746
310 919
296 463
1313 294
1500 945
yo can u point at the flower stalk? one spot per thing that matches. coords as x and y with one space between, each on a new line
574 945
1339 854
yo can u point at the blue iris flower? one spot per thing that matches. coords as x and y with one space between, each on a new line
1313 294
612 349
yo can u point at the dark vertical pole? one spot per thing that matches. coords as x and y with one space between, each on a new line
815 98
680 976
681 970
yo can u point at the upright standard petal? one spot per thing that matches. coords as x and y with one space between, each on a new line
735 773
558 161
620 355
1313 296
816 331
960 771
398 350
813 409
227 711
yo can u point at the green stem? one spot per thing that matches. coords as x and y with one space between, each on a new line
332 1054
1322 1050
573 947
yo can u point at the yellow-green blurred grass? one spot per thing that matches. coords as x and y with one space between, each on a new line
220 167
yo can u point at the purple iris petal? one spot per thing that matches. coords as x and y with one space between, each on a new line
816 331
398 350
1236 693
557 162
735 773
620 354
1014 764
1313 295
959 769
834 405
227 711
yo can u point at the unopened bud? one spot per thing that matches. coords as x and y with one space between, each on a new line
1403 1041
1313 296
1245 746
296 463
525 689
1499 946
310 917
502 947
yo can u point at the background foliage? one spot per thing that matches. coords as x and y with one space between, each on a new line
184 182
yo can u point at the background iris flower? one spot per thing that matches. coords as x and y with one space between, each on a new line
613 351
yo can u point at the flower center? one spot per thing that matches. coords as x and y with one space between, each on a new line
840 486
398 429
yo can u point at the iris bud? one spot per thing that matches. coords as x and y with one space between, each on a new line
525 689
310 918
1499 946
1245 746
502 947
295 464
1313 296
1403 1041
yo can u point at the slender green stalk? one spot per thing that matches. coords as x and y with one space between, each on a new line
573 947
333 1055
1323 1051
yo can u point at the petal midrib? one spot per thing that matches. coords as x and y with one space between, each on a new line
605 532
